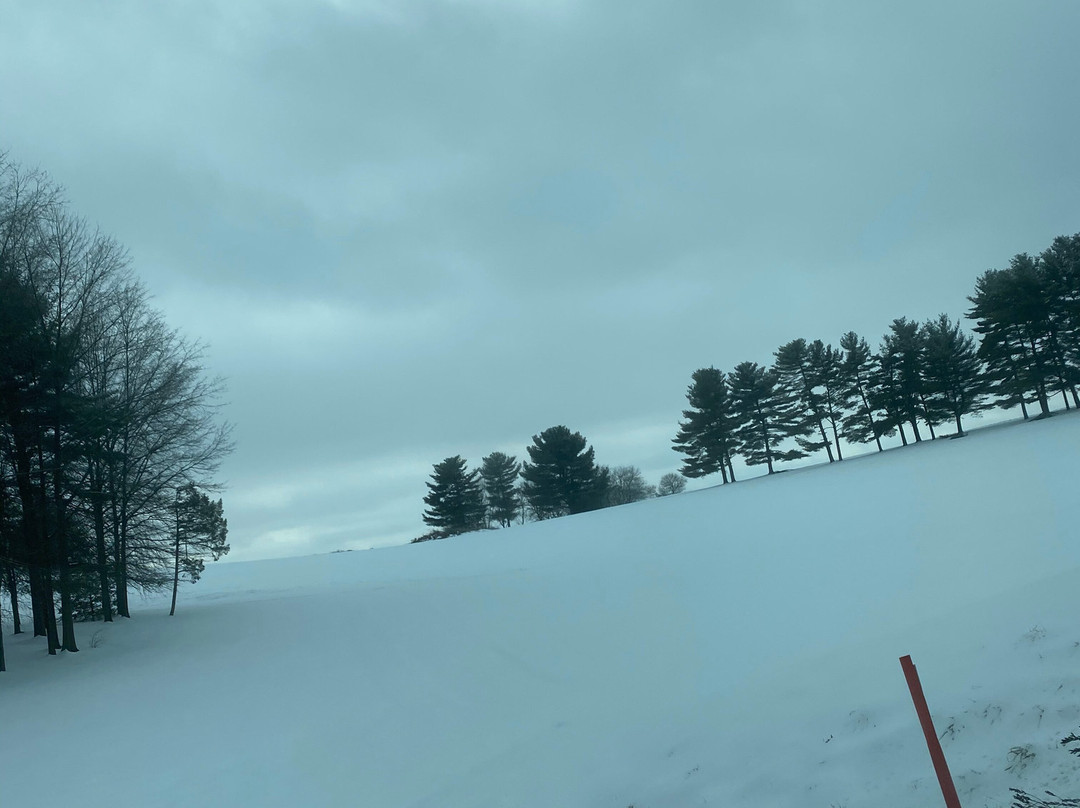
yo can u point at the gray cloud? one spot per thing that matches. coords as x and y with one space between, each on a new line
414 229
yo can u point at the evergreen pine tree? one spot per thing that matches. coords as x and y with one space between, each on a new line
792 366
705 437
199 530
900 364
500 473
561 476
765 415
455 500
1060 264
827 377
1035 305
952 372
857 374
1015 366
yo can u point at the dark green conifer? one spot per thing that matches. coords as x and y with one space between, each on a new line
454 499
952 372
562 477
705 436
765 416
1015 369
828 381
792 366
500 473
1060 263
863 423
900 374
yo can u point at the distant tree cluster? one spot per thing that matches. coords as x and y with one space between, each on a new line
812 398
922 375
109 429
560 478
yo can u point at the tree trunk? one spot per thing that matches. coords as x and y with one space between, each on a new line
176 564
869 415
765 440
33 532
120 552
102 555
13 591
1040 382
926 416
67 618
50 613
903 437
3 662
959 426
123 607
723 472
1060 366
730 468
915 428
37 602
825 440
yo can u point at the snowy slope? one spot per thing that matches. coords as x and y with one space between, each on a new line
727 647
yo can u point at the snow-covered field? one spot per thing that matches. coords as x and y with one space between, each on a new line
735 646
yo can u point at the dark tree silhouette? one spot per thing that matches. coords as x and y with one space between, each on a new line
671 483
82 417
455 499
1060 267
706 436
825 366
857 373
199 530
1026 318
765 414
561 476
792 366
626 484
952 372
500 473
900 380
1002 347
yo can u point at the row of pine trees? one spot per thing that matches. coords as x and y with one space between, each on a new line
110 434
560 477
812 398
923 375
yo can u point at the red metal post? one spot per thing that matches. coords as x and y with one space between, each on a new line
948 790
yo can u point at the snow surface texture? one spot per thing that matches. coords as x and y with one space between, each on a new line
735 646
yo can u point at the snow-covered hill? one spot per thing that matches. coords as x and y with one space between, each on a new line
736 646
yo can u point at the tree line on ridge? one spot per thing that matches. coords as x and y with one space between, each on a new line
812 398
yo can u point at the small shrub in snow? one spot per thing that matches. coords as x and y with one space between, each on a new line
1035 634
1019 757
431 535
1021 799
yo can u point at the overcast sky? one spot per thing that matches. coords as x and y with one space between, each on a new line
409 229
